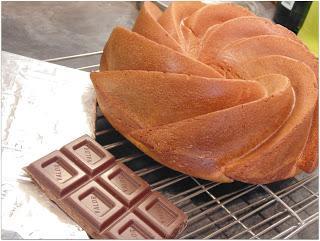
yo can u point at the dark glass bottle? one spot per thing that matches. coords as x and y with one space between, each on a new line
292 14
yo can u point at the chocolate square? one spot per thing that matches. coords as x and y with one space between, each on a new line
161 214
95 204
131 227
124 184
58 173
88 154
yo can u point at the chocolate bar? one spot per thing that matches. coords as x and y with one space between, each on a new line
105 197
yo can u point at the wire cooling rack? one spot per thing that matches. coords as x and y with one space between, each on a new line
215 211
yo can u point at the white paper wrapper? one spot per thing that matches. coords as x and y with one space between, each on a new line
44 106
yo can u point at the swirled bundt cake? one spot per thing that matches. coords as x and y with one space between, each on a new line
213 91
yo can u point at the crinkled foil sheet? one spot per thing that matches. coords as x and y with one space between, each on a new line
44 106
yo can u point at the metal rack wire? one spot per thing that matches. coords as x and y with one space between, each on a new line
217 211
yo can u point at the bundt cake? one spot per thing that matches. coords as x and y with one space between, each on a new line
213 91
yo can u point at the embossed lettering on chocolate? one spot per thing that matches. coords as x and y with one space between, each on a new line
104 196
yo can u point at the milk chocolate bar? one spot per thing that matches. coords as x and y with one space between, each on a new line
105 197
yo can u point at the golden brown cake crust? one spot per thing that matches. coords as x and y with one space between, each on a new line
213 91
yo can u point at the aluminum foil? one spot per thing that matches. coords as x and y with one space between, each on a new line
44 106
